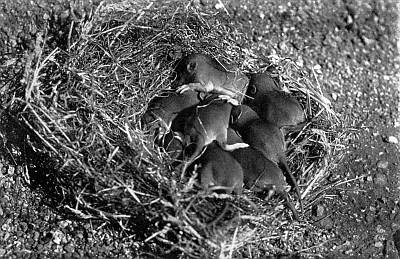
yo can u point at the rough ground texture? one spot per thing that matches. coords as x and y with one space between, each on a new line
350 46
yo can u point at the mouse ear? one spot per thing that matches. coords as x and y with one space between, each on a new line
191 67
253 89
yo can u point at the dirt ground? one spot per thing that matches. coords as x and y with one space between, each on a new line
351 47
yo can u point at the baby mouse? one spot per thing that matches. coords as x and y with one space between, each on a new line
268 139
271 103
203 73
219 168
209 122
262 175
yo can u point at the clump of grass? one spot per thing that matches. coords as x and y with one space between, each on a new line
82 109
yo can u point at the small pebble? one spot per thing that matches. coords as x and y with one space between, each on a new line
318 210
348 252
367 41
36 236
393 140
380 179
369 219
382 164
11 170
282 46
334 96
349 19
317 68
300 62
63 223
79 236
380 230
327 223
378 244
219 6
69 248
57 237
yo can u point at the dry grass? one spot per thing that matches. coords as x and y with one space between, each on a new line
82 107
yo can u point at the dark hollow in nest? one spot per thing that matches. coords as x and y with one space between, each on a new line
74 120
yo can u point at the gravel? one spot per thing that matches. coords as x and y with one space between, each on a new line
351 47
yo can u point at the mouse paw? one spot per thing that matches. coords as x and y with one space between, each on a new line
196 87
229 99
242 145
235 146
183 88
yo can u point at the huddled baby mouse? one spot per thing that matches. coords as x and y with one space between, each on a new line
268 139
261 83
272 104
164 109
279 108
203 73
262 175
209 122
219 168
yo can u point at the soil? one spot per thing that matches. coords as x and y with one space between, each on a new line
350 47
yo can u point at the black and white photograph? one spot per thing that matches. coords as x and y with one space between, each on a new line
200 129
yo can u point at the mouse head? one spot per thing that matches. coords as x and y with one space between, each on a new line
187 68
191 67
260 84
219 168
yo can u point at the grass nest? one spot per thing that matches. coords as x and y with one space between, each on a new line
78 111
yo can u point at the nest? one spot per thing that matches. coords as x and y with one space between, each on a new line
78 111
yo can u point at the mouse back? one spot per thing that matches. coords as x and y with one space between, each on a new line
259 173
219 168
173 102
213 115
168 106
265 137
279 108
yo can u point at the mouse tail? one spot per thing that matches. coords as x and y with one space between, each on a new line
289 204
286 168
